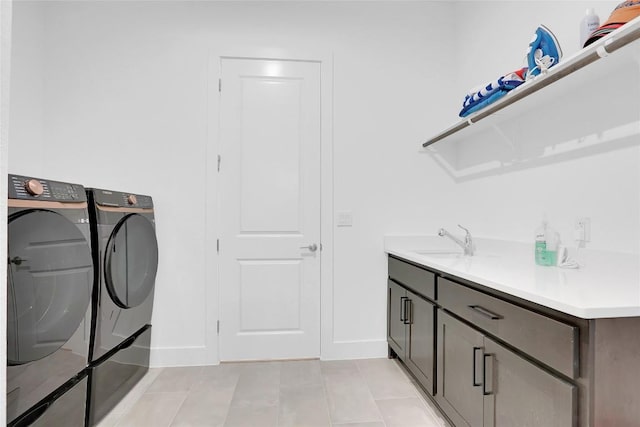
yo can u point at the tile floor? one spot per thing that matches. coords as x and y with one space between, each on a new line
349 393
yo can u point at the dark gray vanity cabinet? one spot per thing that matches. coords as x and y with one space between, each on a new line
484 383
421 355
459 379
397 323
411 319
518 392
501 365
488 358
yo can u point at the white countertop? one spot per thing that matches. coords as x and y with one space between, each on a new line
607 284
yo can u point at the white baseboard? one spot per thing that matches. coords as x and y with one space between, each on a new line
164 357
357 349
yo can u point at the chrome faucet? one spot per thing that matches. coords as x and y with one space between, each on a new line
467 245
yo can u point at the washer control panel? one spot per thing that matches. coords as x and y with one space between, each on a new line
122 200
30 188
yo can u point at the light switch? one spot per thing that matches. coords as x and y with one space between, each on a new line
344 219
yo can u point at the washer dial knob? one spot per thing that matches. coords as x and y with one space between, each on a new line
132 199
34 187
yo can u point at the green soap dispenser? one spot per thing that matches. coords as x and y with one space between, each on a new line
547 240
541 244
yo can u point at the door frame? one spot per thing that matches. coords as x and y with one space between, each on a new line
212 206
6 19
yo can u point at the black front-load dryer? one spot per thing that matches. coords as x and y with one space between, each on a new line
49 284
126 258
125 253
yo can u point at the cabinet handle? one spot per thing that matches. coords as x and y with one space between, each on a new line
485 376
403 308
475 384
409 305
407 311
484 312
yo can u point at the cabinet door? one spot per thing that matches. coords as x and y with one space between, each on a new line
459 386
518 393
396 319
420 357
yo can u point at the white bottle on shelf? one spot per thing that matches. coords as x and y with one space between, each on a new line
590 22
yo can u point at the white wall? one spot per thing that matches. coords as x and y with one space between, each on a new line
126 93
604 187
126 107
28 82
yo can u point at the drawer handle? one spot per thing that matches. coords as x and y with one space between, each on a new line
475 349
485 376
484 312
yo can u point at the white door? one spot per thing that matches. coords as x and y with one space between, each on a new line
269 209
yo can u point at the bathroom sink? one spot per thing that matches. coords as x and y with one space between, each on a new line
450 254
438 253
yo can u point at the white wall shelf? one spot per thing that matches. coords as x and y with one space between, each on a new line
588 99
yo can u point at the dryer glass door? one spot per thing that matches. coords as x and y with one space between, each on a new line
49 280
131 261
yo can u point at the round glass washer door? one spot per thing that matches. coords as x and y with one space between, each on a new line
131 261
49 281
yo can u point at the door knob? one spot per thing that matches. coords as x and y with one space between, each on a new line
16 260
312 247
